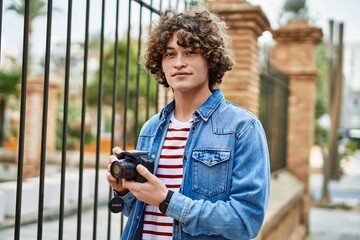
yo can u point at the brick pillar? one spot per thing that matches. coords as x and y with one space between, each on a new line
52 113
294 54
165 96
246 23
33 124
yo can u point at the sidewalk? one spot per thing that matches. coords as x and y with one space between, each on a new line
340 220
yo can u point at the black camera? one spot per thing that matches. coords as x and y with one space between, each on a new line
125 167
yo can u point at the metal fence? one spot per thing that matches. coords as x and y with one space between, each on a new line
112 33
120 27
274 88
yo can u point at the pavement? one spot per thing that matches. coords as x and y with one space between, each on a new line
340 218
51 228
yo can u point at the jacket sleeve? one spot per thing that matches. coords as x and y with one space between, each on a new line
241 216
129 201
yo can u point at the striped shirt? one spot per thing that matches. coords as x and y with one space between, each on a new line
170 171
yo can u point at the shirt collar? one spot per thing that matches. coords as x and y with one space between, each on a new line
204 111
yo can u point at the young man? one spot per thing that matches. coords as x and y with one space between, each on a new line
211 177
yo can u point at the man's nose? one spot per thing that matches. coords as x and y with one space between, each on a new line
180 63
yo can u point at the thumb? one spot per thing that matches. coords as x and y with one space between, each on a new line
145 172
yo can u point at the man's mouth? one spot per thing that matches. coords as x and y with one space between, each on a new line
180 74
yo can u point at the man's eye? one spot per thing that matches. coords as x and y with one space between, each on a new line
191 52
169 54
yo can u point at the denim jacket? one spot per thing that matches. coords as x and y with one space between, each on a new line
226 174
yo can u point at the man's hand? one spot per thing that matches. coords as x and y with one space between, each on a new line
116 184
152 192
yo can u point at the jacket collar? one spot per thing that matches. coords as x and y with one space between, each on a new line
204 111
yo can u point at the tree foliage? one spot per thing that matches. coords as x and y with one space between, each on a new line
108 75
8 87
8 83
37 9
135 72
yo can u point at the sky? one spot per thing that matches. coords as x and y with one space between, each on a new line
346 11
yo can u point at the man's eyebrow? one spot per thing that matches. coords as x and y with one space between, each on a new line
170 48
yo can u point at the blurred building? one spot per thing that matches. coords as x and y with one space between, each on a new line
350 116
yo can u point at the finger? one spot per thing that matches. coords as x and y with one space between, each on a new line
131 185
109 167
116 150
112 158
110 178
145 173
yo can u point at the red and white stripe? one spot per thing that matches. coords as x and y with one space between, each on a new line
170 171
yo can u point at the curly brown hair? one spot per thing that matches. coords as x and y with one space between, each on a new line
196 28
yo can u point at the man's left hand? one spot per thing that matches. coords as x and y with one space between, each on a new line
152 192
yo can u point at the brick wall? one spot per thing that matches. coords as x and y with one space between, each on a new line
294 54
246 23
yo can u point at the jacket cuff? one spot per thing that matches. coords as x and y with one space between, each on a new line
179 207
128 197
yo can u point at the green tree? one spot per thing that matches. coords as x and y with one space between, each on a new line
73 128
37 9
8 87
108 72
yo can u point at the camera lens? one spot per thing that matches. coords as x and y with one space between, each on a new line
116 170
123 169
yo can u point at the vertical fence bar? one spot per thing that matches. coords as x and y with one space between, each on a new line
22 121
114 97
138 78
148 79
99 104
44 120
83 120
126 99
284 120
157 85
65 121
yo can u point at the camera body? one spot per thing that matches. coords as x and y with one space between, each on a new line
125 166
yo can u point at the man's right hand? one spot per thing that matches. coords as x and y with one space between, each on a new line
116 184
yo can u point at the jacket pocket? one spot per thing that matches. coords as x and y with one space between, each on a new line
210 169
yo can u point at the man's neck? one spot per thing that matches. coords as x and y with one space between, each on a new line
186 104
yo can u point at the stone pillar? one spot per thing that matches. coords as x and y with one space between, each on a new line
294 54
33 124
246 23
52 114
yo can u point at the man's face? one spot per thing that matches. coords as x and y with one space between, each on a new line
185 69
